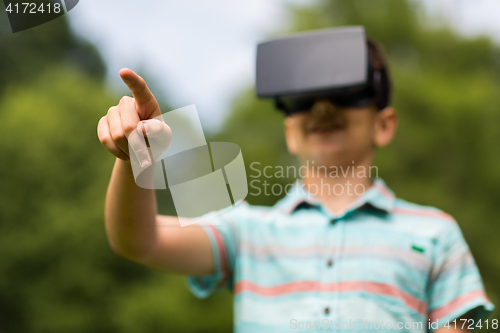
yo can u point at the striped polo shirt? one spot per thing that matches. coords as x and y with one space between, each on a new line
381 264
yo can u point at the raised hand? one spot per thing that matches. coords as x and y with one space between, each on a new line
127 123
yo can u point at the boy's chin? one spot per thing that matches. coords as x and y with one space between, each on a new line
328 153
329 159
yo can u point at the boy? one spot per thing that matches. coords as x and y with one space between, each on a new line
338 252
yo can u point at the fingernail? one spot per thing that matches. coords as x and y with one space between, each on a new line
145 163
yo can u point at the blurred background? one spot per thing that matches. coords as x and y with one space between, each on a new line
57 272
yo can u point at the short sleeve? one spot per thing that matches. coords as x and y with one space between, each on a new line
221 228
455 285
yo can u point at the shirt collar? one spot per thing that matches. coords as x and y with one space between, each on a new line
379 196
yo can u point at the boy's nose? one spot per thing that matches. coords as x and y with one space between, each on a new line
323 107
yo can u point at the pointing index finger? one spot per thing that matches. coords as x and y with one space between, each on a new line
145 100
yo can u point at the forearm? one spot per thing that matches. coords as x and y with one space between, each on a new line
130 213
134 229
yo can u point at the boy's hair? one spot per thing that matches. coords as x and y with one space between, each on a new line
378 62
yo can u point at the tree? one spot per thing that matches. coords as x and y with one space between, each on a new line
25 54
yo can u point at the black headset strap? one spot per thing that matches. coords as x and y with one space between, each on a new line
378 84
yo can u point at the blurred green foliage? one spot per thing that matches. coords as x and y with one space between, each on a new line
57 272
27 54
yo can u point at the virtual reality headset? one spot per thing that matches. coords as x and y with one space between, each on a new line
332 64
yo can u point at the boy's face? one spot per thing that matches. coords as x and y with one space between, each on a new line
331 135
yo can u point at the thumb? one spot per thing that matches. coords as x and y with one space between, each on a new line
159 136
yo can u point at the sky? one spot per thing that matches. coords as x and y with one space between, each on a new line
203 52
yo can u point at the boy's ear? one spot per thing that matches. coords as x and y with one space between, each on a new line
291 142
386 123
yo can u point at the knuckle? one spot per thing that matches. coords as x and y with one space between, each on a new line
118 137
129 127
105 140
108 143
101 122
124 100
112 109
127 103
